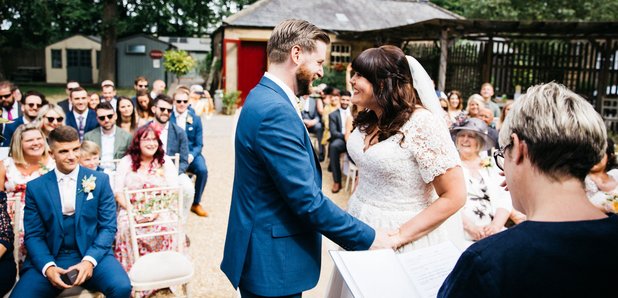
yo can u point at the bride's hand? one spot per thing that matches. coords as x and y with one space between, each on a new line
386 239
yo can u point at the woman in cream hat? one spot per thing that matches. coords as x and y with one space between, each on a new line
488 206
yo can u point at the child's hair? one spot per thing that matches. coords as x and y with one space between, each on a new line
90 148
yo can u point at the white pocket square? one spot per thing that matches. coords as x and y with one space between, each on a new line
89 197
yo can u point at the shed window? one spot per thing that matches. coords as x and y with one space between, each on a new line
340 53
56 58
136 49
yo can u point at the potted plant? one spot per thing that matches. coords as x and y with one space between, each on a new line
230 100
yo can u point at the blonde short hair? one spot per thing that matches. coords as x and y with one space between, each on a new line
478 99
46 108
564 134
290 33
90 148
16 151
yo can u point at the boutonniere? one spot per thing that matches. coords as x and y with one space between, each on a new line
189 119
486 163
43 169
89 184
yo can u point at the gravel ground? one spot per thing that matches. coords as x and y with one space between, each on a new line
207 235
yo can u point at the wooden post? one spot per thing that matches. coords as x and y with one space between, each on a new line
487 62
602 82
443 58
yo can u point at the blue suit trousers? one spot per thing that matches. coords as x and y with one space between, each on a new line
198 167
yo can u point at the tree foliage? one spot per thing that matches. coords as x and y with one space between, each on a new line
178 62
557 10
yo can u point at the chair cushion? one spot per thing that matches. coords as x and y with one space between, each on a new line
160 266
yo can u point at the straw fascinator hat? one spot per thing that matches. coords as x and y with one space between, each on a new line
477 126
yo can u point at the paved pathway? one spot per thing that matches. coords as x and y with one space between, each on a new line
207 235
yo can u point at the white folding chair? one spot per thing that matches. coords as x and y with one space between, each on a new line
350 178
162 269
110 164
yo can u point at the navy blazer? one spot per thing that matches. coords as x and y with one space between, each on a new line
278 213
64 104
9 130
193 130
91 121
95 218
335 126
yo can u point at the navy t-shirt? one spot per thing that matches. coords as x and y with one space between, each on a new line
540 259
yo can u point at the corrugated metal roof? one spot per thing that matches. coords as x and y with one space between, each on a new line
340 15
190 44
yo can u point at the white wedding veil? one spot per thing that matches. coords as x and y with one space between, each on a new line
424 87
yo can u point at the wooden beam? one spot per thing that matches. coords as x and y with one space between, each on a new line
602 82
443 58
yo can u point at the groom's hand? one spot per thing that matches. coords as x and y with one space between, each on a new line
385 239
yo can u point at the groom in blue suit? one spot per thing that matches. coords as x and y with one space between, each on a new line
70 223
278 212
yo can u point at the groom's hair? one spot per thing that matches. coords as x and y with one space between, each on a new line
62 134
290 33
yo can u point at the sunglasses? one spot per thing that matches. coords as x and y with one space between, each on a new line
182 101
34 105
3 96
52 119
163 110
109 117
142 86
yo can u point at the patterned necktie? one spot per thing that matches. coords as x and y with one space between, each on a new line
9 114
80 127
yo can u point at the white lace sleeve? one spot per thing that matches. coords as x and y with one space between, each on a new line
431 145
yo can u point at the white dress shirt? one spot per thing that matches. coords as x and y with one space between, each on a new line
181 119
291 96
107 144
14 111
85 115
344 116
163 135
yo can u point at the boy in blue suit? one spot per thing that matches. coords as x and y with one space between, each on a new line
278 212
70 223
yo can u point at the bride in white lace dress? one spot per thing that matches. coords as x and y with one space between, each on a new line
409 174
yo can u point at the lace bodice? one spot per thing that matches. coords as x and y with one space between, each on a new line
395 179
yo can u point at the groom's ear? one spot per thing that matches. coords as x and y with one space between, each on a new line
295 54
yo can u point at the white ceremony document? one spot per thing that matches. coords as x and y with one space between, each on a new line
383 273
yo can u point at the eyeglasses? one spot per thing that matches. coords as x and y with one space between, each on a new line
3 96
142 86
499 157
52 119
182 101
109 117
34 105
163 110
149 140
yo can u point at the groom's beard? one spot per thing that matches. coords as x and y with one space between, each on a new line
304 78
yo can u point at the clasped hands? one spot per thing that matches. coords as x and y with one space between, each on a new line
388 239
84 269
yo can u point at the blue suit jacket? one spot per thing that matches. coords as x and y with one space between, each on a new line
9 130
91 121
193 130
95 219
273 243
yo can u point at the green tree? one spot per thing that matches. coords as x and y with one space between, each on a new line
178 62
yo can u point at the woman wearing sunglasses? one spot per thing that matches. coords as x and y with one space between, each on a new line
50 117
28 159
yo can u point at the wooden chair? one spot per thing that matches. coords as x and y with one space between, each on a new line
161 269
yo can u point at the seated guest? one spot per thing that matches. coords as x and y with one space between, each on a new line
32 102
198 100
65 104
487 116
158 87
81 118
173 137
144 113
50 117
602 181
144 166
93 100
108 93
187 120
126 117
112 140
455 105
488 206
70 225
139 84
11 107
329 104
8 271
312 120
473 108
28 159
566 248
505 111
337 126
89 155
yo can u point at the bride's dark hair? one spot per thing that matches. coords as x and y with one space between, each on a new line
387 69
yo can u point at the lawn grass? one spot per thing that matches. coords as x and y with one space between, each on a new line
55 92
